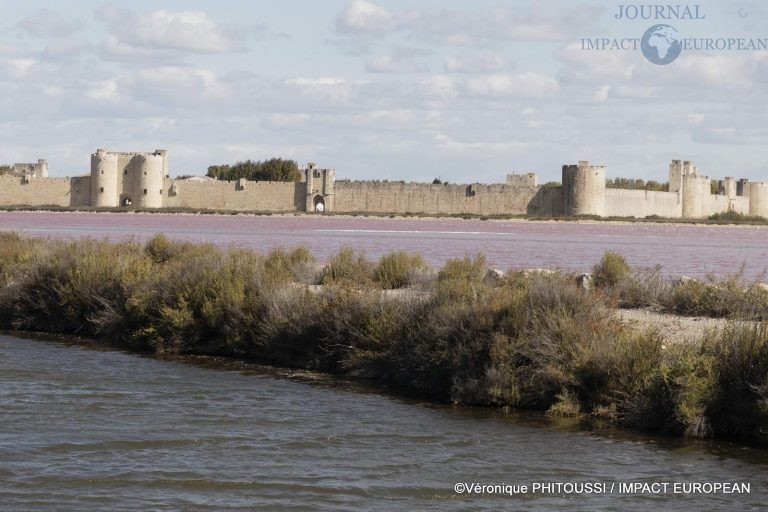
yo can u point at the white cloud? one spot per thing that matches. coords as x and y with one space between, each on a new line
282 120
449 143
539 21
317 82
394 64
700 69
112 48
361 16
106 90
499 103
178 78
489 62
335 89
18 69
64 48
163 34
531 85
439 86
48 24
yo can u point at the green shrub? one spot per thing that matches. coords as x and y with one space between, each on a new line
737 218
204 301
611 269
739 405
349 268
161 249
567 405
73 287
727 297
396 269
15 252
297 264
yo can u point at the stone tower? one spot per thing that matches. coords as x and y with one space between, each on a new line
758 199
692 188
104 190
677 170
584 189
695 189
150 171
319 188
128 179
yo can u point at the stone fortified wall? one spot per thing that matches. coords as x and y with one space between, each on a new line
474 199
236 195
65 192
641 203
141 180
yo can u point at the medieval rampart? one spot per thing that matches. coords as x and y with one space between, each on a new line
64 192
475 199
140 180
641 203
236 195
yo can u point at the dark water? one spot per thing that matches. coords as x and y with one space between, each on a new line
680 249
85 429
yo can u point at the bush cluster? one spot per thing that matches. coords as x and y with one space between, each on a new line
533 341
728 296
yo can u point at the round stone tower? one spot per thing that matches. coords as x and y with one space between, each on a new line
148 192
758 199
584 189
104 179
695 188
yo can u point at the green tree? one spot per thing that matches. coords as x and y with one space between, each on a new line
6 169
636 184
274 169
218 171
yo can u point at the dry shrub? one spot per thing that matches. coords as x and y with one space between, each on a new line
643 287
15 252
728 297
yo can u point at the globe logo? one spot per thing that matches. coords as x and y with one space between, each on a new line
661 44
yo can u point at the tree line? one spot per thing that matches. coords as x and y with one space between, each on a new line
274 169
636 184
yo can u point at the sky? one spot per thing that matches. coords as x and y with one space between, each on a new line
467 91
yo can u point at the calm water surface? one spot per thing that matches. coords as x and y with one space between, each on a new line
85 429
680 249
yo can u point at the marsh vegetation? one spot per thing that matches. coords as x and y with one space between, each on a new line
526 340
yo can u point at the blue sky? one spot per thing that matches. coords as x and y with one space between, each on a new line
464 90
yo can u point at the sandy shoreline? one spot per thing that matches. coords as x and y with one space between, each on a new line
673 328
396 217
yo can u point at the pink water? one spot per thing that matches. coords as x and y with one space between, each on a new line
680 249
